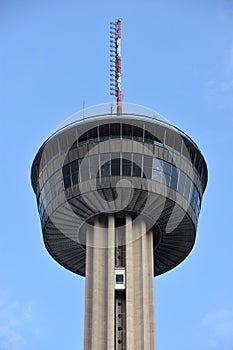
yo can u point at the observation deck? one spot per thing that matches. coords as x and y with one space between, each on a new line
99 163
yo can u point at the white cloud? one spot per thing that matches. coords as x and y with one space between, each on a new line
216 331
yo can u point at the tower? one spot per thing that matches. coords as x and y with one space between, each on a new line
119 192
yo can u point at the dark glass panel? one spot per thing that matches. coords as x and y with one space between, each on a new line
115 164
187 188
137 132
105 164
74 178
92 134
119 279
147 162
126 166
174 172
127 131
167 168
67 182
181 187
74 166
105 169
166 179
104 132
137 159
82 138
115 167
104 157
74 145
149 137
147 172
136 170
115 130
66 170
173 183
182 177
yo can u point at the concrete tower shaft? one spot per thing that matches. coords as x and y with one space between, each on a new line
119 314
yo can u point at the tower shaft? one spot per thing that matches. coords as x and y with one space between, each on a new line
119 318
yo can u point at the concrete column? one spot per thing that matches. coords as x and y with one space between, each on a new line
129 279
140 330
111 284
100 287
99 301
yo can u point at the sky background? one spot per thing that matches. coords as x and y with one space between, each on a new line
177 59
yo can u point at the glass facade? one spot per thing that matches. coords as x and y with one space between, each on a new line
128 164
121 164
167 140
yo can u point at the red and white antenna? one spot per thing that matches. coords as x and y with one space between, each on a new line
115 63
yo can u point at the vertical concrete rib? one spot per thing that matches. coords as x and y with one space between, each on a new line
110 283
139 288
148 289
99 307
129 285
88 289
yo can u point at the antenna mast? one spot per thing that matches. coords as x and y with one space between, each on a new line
115 63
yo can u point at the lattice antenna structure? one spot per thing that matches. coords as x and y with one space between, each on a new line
115 63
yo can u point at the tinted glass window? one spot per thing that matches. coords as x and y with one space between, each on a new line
187 188
74 166
104 132
94 166
82 138
182 177
137 159
136 170
174 172
115 130
181 187
149 137
67 182
166 179
92 134
127 130
156 175
115 163
148 161
119 279
115 167
75 179
105 169
167 168
173 183
126 166
137 132
157 164
66 170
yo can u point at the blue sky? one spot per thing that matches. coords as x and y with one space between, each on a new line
177 60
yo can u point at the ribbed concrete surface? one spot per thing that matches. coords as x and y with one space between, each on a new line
100 293
140 331
100 290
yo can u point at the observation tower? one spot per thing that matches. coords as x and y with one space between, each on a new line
119 192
